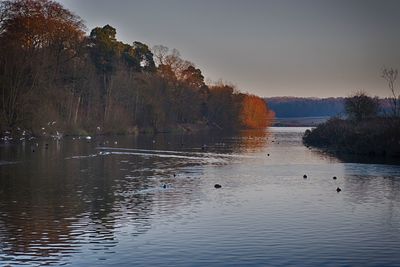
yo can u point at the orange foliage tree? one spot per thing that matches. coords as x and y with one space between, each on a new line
254 113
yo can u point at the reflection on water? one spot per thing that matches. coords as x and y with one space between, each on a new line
150 200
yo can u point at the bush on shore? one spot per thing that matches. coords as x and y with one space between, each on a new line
378 136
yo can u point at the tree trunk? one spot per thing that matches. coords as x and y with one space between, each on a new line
77 110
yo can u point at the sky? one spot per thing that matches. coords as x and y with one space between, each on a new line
311 48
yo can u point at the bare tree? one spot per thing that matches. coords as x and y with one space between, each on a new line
163 56
160 52
390 75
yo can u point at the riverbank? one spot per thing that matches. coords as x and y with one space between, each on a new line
378 137
51 130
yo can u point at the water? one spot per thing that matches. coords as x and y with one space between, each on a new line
103 203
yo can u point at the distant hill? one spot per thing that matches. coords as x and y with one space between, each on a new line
301 107
289 107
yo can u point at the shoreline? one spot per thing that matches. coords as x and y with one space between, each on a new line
375 139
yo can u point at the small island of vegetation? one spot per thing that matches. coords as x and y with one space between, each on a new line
366 129
56 79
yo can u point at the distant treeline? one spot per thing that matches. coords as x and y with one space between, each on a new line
305 107
286 107
53 74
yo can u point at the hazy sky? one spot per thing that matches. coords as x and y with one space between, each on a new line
270 48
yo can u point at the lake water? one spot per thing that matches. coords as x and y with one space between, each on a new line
151 201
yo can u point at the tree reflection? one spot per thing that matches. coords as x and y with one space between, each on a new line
254 140
68 196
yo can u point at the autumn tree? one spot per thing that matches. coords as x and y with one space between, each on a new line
254 113
36 39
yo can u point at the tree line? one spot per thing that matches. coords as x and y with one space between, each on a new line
292 107
53 73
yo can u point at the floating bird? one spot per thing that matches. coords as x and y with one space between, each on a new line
334 177
268 155
217 186
164 186
338 189
305 176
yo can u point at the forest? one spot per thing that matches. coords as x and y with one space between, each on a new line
54 77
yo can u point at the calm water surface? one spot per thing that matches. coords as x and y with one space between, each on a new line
103 203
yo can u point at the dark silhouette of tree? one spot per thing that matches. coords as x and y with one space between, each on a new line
193 77
360 106
144 56
224 106
390 75
105 51
139 57
104 48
